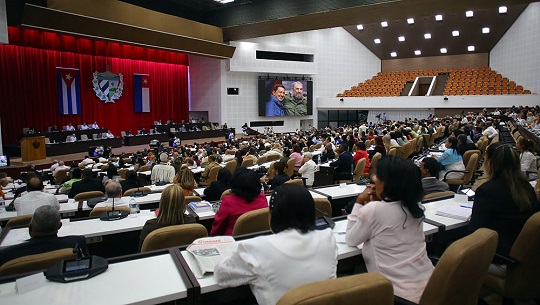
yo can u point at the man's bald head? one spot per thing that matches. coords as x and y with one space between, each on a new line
113 189
34 184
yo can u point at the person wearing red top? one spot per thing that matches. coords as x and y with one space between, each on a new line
246 196
361 152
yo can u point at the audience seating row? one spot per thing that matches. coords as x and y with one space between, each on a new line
461 81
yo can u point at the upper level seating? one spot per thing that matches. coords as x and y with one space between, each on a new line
461 81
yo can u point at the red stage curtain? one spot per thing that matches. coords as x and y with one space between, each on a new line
29 90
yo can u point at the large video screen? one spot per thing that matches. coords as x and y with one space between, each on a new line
4 160
285 97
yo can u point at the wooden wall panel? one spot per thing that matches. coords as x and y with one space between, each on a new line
436 62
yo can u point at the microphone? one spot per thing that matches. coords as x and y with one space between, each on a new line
77 250
324 222
113 214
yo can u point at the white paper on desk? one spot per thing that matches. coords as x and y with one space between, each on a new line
340 237
455 212
461 197
29 283
15 237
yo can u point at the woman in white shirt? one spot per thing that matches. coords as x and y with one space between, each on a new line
294 255
526 157
387 218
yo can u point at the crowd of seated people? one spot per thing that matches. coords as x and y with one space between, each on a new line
397 192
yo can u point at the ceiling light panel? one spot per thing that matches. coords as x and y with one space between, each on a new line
469 14
485 30
360 27
455 33
393 54
503 9
377 40
410 21
417 52
470 48
444 50
438 17
427 36
384 24
401 38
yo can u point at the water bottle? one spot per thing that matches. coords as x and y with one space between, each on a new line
2 205
262 188
133 209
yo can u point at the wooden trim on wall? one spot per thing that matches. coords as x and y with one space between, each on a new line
436 62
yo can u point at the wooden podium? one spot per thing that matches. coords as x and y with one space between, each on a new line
33 148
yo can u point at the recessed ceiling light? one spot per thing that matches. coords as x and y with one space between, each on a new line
401 38
417 52
455 33
469 14
384 24
360 27
393 54
427 36
438 17
224 1
503 9
377 40
485 30
410 21
470 48
443 50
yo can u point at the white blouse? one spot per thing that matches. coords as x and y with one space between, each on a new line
394 245
274 264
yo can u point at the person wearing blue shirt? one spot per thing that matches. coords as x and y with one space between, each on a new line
451 160
274 106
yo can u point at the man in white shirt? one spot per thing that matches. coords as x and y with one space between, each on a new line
94 126
71 138
308 169
490 132
60 167
84 126
54 166
113 190
163 171
70 127
86 161
27 204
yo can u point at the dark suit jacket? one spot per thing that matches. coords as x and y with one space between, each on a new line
495 209
343 166
86 185
214 191
462 148
42 244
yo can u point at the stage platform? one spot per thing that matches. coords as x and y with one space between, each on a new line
17 165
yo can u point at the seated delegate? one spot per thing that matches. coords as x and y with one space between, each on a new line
246 196
295 254
43 230
388 219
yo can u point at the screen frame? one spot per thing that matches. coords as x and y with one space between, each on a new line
265 91
8 162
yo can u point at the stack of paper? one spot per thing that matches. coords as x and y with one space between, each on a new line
455 212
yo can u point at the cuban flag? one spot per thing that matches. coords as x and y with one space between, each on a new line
141 92
69 91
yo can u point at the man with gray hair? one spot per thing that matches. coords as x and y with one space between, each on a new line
43 231
308 169
61 167
35 198
162 171
113 190
295 103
